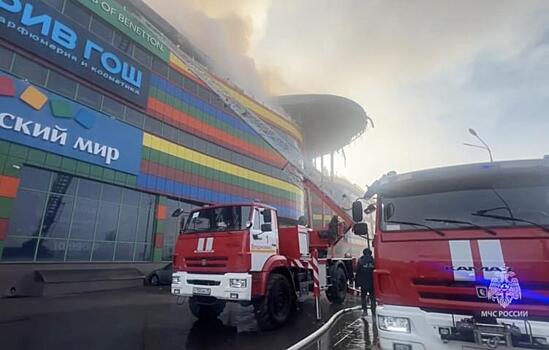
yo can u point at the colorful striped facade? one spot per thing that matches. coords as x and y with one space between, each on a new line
194 150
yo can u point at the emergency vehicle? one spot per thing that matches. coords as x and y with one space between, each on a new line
241 253
462 257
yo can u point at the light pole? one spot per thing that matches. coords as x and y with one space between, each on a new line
485 145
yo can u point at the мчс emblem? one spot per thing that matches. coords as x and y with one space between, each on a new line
504 288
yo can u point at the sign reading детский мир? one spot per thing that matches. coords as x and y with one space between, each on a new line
36 27
115 14
35 118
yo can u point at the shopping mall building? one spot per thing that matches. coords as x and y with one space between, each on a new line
109 122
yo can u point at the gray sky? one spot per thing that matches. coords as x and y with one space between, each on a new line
425 71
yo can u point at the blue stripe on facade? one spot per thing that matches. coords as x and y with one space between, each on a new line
178 93
158 184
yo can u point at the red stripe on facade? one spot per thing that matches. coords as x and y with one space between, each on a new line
179 119
8 186
159 240
161 212
176 175
3 228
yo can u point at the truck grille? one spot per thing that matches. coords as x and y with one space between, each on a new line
210 261
204 282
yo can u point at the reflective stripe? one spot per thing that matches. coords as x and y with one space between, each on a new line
209 244
462 255
491 256
200 245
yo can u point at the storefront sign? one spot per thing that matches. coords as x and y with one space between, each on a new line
115 14
38 28
54 124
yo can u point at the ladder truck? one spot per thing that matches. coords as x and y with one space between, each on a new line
239 253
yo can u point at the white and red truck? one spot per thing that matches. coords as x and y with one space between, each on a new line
462 257
240 253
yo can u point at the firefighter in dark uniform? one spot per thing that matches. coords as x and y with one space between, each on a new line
365 279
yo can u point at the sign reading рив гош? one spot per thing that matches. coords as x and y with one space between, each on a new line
38 28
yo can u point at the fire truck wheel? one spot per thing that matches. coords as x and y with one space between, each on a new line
337 292
274 309
205 312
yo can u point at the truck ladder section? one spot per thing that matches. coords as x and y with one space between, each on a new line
297 171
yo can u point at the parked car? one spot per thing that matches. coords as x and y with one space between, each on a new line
162 276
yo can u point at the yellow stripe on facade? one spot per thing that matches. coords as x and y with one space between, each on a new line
173 149
327 217
265 113
177 61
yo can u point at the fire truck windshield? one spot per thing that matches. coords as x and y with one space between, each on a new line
475 208
217 219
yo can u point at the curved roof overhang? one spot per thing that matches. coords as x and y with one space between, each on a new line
328 122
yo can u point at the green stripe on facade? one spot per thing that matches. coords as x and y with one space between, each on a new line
212 174
13 156
206 118
5 207
157 255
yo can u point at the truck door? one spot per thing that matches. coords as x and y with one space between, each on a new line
264 237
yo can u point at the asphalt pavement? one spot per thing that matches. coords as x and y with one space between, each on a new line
148 318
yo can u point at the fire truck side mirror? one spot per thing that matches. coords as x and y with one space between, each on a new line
361 229
357 211
370 209
177 212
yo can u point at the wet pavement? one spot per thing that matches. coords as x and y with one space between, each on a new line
350 332
149 318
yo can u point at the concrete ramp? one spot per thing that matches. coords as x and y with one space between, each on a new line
48 282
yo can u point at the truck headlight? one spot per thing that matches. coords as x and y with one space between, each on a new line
238 283
175 279
394 324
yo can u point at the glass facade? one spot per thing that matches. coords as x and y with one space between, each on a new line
173 225
59 217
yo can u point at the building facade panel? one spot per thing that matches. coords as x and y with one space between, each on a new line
90 174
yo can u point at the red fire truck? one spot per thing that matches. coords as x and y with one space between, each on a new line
462 257
241 253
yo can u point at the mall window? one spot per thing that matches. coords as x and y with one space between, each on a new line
113 107
175 77
60 217
101 29
89 97
160 67
6 56
27 69
56 4
190 85
61 85
153 125
134 117
142 56
77 13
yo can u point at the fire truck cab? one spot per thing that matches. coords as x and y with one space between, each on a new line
239 253
462 257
